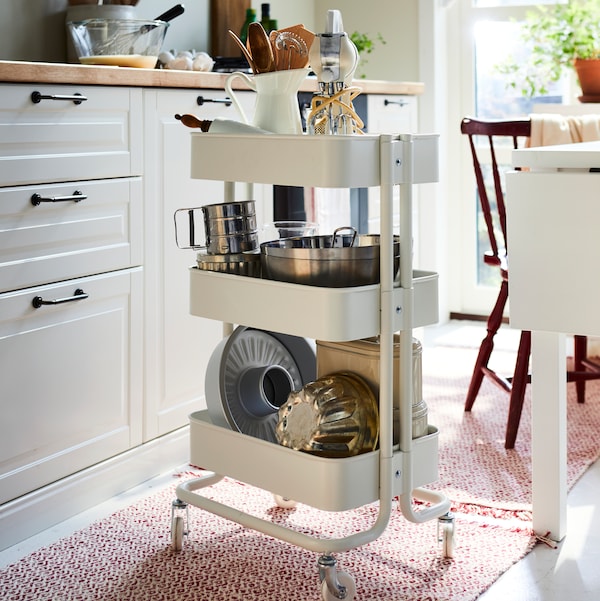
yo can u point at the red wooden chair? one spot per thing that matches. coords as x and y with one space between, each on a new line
495 220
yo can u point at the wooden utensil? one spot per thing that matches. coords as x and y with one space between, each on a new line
299 30
193 122
260 48
290 51
245 52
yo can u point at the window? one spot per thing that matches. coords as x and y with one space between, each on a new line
490 33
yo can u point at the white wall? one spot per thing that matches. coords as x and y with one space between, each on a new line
396 20
33 30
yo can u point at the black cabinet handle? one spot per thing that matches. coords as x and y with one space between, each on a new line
37 97
38 301
77 196
201 100
398 102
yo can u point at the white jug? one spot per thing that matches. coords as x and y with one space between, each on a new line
276 107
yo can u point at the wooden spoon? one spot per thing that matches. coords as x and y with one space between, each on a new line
245 52
260 48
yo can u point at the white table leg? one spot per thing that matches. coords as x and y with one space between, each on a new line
549 433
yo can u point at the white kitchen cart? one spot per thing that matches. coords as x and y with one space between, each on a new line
336 314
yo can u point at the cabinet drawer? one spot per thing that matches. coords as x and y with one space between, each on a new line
205 104
52 140
71 379
64 239
389 113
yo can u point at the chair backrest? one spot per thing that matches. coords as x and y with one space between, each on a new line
492 130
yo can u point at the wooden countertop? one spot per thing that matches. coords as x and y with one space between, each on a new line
58 73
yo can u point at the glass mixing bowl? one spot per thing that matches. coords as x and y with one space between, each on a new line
118 42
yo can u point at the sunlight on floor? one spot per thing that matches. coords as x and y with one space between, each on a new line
581 518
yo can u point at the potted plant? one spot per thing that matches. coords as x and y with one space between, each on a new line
365 45
559 37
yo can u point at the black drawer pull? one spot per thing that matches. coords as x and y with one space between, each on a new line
201 100
38 301
77 196
37 97
398 102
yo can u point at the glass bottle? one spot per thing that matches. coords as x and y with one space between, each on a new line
265 16
250 18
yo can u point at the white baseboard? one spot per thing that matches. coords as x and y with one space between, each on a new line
43 508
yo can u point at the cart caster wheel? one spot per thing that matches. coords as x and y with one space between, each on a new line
283 502
177 532
446 535
346 589
335 585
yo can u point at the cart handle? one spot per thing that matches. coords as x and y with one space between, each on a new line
440 505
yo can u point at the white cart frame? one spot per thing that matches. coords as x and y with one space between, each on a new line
343 314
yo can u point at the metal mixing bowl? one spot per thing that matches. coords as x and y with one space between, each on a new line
118 42
336 262
247 264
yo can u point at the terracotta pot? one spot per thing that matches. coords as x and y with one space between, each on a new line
588 73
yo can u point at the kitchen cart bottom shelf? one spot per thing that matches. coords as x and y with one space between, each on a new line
323 483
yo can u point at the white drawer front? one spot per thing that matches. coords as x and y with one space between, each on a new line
59 240
71 379
205 104
57 140
387 114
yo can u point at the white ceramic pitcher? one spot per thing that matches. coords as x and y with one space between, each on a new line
276 107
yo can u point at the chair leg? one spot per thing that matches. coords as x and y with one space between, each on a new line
579 355
517 394
487 346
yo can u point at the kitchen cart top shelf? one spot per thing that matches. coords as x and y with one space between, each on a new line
321 161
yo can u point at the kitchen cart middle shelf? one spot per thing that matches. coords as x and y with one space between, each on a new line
335 314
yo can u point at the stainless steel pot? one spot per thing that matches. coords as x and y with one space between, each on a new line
336 261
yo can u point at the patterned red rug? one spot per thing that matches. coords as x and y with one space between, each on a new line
128 555
475 468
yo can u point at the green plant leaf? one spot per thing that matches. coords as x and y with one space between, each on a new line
555 35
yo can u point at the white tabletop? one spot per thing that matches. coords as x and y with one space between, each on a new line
584 155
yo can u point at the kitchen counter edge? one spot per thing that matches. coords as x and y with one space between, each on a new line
58 73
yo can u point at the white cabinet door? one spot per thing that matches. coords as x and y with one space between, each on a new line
177 345
71 378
